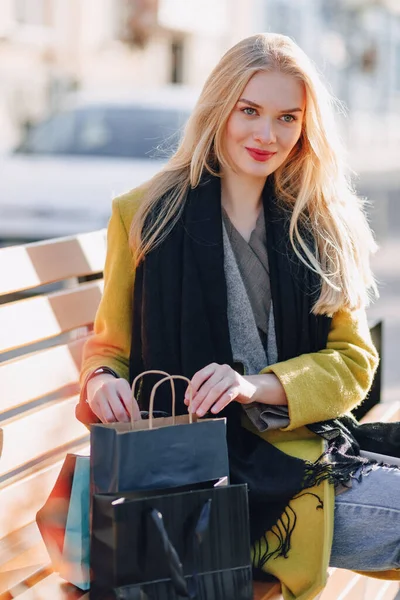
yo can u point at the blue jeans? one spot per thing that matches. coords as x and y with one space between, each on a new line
367 523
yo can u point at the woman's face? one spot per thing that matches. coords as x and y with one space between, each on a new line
265 124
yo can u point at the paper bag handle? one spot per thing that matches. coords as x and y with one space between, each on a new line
171 555
186 589
154 372
153 393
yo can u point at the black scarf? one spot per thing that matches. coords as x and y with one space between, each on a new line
180 325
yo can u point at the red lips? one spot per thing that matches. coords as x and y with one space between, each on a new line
260 155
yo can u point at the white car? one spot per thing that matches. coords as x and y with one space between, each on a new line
63 176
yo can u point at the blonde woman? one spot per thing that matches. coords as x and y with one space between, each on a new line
244 265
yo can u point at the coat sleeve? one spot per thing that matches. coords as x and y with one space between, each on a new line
327 384
110 344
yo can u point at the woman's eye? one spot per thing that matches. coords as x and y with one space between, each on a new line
288 118
249 111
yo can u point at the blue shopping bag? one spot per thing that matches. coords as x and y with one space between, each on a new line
64 521
75 563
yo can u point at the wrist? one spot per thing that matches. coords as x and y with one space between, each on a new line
97 378
249 390
267 389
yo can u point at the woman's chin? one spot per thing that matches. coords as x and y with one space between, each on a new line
258 171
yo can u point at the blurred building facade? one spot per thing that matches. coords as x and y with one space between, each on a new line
356 43
356 46
50 47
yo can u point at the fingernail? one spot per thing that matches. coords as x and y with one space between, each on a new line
200 412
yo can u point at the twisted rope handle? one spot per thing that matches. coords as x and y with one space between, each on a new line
153 393
153 372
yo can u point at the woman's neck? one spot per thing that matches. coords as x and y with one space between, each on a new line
241 198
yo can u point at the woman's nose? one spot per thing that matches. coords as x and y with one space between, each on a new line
265 133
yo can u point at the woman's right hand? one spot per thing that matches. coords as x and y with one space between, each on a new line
111 399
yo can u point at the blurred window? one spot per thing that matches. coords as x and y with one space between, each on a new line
30 12
128 132
54 136
122 131
177 60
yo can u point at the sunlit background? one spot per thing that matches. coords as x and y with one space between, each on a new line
93 93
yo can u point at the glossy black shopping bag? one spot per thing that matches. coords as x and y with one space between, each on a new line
191 544
231 584
158 453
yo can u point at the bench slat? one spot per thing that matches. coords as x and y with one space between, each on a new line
38 432
32 265
18 542
43 317
266 591
24 566
381 590
346 585
385 411
23 555
55 588
62 370
30 493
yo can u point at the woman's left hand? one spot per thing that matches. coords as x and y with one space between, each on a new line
215 386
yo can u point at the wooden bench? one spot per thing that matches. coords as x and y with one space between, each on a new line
46 312
49 293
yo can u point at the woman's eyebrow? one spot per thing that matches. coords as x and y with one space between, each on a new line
290 110
251 103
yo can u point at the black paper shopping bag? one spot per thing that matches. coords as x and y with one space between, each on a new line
191 544
158 453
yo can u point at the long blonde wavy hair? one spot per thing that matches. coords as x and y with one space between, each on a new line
312 183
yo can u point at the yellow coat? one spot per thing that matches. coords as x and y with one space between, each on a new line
319 386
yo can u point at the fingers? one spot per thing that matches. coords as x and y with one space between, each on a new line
200 377
111 400
220 395
230 395
211 383
103 410
108 406
219 388
124 393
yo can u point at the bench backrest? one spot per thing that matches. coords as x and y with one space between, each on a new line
49 294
